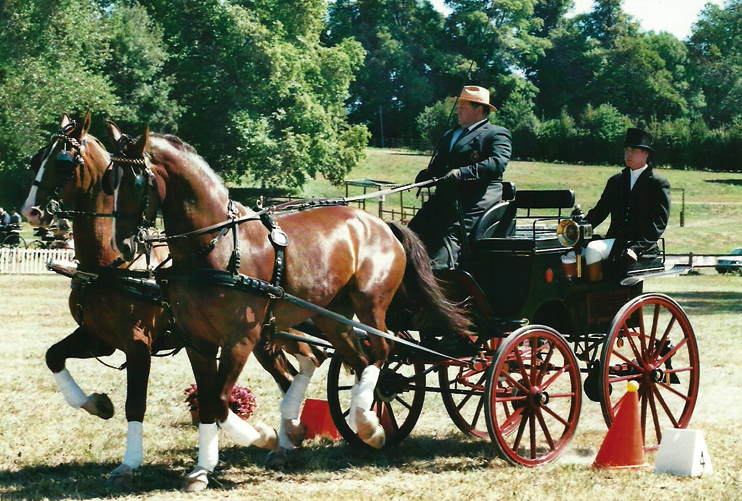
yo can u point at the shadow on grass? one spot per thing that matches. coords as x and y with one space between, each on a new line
733 182
709 302
242 466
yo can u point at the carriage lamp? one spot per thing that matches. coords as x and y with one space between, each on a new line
572 231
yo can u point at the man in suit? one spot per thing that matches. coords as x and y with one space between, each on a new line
638 201
469 160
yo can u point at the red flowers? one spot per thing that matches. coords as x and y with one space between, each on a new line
242 402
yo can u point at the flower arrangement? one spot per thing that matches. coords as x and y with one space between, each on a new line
242 402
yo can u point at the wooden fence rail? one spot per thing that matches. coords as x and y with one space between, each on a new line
31 261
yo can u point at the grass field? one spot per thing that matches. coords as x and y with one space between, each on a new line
713 200
50 451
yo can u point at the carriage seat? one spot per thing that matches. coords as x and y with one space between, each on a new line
524 199
488 223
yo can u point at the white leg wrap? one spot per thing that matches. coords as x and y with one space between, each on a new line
134 452
240 431
72 393
283 433
306 365
366 386
294 397
208 446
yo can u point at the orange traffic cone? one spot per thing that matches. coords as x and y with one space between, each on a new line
623 446
316 417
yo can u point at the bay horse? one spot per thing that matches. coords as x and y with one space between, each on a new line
337 257
110 312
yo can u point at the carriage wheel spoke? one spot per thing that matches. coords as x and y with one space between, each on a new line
545 363
655 417
521 429
665 336
532 431
642 331
556 416
392 417
513 382
521 366
545 430
638 355
653 336
664 405
673 351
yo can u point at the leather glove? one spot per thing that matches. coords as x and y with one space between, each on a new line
423 175
629 257
452 178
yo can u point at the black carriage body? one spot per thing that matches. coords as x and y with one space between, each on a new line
522 277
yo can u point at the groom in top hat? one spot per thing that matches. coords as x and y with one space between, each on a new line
638 201
469 160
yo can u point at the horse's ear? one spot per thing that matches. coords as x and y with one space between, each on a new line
114 133
141 145
85 124
64 120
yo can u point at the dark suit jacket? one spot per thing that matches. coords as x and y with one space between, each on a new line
482 155
638 217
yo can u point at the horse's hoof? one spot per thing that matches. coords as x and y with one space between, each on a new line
370 430
98 404
121 477
268 437
296 431
197 480
277 460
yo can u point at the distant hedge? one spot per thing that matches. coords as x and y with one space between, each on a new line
597 136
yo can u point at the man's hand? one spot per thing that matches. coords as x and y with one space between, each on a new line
452 178
423 175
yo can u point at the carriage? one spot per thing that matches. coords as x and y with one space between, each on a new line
540 328
516 377
10 236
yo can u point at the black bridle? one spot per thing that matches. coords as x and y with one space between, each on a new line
144 183
63 160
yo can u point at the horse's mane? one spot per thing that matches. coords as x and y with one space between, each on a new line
176 142
181 146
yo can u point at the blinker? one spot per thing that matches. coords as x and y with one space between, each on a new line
140 185
65 160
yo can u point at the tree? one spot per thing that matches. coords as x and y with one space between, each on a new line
262 96
715 53
408 64
63 63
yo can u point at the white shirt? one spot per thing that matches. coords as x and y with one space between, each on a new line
635 175
455 136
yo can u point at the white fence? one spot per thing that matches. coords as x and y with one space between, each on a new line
31 261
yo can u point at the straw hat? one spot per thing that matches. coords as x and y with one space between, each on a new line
475 94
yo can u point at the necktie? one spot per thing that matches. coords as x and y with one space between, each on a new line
463 133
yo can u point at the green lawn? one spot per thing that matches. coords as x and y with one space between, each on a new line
712 209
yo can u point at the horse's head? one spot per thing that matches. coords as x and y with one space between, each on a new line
135 189
59 168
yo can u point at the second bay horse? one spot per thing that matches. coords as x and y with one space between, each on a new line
337 257
110 313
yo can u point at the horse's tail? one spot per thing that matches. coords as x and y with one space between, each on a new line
421 294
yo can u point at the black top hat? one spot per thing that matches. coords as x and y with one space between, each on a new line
637 138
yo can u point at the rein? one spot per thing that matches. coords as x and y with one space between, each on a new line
296 205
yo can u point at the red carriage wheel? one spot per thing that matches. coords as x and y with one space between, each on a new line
463 393
398 399
651 341
535 377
